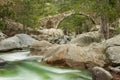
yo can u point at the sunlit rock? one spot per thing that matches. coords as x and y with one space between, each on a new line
99 73
75 56
115 41
10 43
15 42
86 39
25 40
113 54
52 32
38 47
113 50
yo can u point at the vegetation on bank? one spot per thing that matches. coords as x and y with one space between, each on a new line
28 12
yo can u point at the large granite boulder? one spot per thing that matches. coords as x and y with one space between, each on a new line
15 42
39 47
74 56
113 54
25 40
115 41
113 50
99 73
87 38
10 43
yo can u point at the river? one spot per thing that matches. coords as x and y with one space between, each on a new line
21 67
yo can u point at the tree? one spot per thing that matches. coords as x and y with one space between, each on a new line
6 11
109 12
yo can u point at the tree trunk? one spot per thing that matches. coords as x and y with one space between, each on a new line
104 27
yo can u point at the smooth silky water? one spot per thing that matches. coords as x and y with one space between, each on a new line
22 69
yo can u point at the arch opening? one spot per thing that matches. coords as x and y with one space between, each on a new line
76 24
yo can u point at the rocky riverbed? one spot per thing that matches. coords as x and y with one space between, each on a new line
86 50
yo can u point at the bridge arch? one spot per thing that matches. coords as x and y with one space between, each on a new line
57 19
73 13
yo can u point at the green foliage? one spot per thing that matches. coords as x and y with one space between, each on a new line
110 8
6 11
33 10
76 23
28 12
2 24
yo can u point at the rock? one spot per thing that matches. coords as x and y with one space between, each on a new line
51 35
38 47
32 31
10 43
61 40
12 27
113 54
75 56
113 50
2 36
95 28
15 42
2 62
99 73
115 41
40 37
116 76
115 69
54 40
25 40
87 38
52 32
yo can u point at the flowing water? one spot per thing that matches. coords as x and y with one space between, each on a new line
24 69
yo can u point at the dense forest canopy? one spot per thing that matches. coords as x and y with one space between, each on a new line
28 12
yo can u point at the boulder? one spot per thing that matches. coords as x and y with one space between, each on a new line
52 35
115 69
38 47
61 40
10 43
115 41
87 38
2 62
52 32
12 27
113 54
15 42
40 37
2 36
113 50
99 73
25 40
53 38
74 56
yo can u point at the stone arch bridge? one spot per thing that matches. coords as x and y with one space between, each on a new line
54 21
